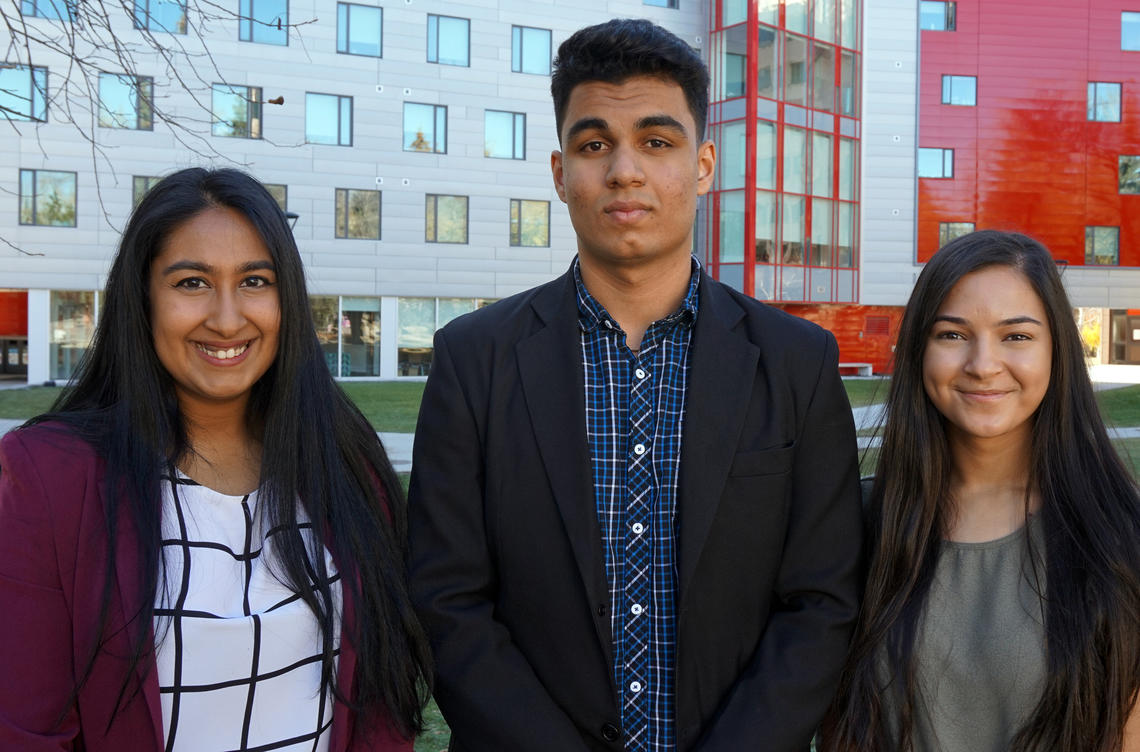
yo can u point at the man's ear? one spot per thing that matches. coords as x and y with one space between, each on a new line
556 173
706 167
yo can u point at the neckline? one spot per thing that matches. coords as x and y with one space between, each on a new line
996 542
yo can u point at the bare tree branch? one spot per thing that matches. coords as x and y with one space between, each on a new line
78 40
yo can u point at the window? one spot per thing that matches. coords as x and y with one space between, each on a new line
660 3
504 135
357 214
425 128
59 10
1130 174
237 111
359 30
936 16
280 194
161 15
947 231
1102 246
936 163
47 198
1104 102
960 90
530 50
263 21
530 223
125 101
23 92
1129 30
449 40
73 317
140 184
328 119
445 219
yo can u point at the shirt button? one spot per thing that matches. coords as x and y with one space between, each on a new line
638 528
609 325
635 609
635 687
639 449
640 373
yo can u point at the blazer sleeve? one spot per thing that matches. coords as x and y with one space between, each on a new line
485 687
35 629
780 697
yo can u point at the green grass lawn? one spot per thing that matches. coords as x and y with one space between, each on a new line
436 735
863 392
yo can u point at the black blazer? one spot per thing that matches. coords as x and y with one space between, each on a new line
506 550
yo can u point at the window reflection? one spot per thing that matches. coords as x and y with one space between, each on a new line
448 40
445 219
796 72
72 324
530 50
357 214
425 128
264 21
504 135
125 101
23 92
359 29
328 119
236 111
530 223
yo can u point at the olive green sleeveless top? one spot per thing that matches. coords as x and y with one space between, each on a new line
981 644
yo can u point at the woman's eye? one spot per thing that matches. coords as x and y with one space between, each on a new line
191 283
256 282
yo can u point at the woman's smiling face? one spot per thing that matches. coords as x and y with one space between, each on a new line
989 357
214 308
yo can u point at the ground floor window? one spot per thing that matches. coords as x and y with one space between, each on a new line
73 316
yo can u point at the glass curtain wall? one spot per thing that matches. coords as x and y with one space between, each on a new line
783 218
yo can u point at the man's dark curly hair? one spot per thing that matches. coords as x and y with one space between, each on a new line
620 49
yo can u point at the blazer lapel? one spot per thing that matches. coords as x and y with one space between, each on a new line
722 368
127 576
550 367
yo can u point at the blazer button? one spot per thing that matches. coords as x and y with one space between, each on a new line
610 732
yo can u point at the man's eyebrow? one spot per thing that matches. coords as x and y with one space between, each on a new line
586 124
660 121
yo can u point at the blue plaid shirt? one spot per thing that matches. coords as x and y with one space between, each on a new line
635 405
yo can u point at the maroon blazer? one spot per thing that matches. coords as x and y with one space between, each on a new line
53 556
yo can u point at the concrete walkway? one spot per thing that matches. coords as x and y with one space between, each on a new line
399 445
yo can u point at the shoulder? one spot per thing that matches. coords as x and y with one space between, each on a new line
49 455
50 437
493 331
779 335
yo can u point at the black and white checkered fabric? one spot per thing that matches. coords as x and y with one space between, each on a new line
239 653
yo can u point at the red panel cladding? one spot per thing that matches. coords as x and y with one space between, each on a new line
858 343
1026 157
13 313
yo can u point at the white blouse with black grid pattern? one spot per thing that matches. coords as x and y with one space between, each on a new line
238 652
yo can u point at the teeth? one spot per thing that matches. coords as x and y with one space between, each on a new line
232 352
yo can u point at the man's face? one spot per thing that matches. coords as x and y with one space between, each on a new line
630 170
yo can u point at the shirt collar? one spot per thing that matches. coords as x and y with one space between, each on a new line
591 313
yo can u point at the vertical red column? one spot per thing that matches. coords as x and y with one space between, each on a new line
751 91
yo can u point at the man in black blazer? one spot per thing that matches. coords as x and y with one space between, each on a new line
634 508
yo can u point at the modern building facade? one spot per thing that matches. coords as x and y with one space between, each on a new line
413 139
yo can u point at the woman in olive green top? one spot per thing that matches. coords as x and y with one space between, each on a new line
1002 609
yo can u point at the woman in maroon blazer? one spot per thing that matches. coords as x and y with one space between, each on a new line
202 545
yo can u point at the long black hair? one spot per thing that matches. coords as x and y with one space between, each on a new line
1090 513
319 452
